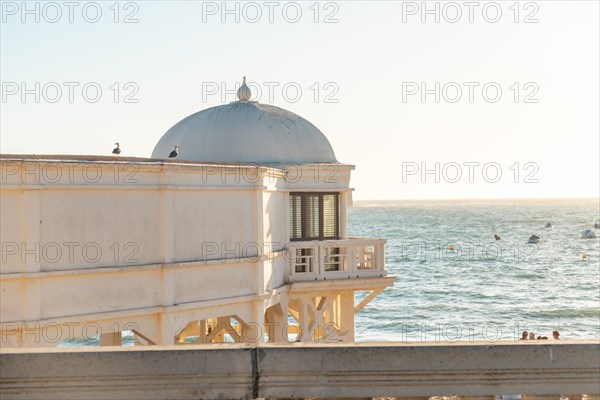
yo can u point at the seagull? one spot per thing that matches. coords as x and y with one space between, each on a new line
174 153
117 150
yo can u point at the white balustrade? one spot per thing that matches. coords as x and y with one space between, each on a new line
336 259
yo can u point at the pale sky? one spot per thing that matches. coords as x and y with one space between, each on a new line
361 68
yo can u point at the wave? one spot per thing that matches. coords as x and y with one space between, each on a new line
565 313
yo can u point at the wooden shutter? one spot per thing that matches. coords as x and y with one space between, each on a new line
295 216
330 216
314 216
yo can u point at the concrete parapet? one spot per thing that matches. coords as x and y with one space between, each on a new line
127 373
303 370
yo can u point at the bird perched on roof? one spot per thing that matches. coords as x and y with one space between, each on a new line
174 153
117 150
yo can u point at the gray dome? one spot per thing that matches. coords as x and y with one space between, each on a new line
246 131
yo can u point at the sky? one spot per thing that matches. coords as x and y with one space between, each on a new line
430 100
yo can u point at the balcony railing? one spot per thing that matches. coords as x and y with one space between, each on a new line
336 259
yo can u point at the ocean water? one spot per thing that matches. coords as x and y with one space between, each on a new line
455 282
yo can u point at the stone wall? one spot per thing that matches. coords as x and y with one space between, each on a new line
299 370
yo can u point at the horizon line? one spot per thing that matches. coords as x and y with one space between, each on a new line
479 198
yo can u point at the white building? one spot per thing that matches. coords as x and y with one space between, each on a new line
241 237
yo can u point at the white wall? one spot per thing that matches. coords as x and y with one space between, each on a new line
143 240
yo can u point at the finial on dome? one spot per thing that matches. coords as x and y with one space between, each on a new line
244 92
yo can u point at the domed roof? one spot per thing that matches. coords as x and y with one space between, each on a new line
246 131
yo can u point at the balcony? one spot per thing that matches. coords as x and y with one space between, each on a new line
336 259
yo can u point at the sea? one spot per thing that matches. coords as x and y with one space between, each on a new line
456 282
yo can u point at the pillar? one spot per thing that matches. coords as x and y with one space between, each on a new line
276 324
347 315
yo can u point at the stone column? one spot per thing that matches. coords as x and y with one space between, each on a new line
275 324
346 322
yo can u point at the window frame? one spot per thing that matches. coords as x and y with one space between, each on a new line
304 215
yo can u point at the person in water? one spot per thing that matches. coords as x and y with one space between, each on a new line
556 335
531 336
534 239
497 237
525 335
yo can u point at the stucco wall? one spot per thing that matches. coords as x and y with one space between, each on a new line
144 241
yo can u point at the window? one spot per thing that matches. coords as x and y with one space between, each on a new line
314 216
